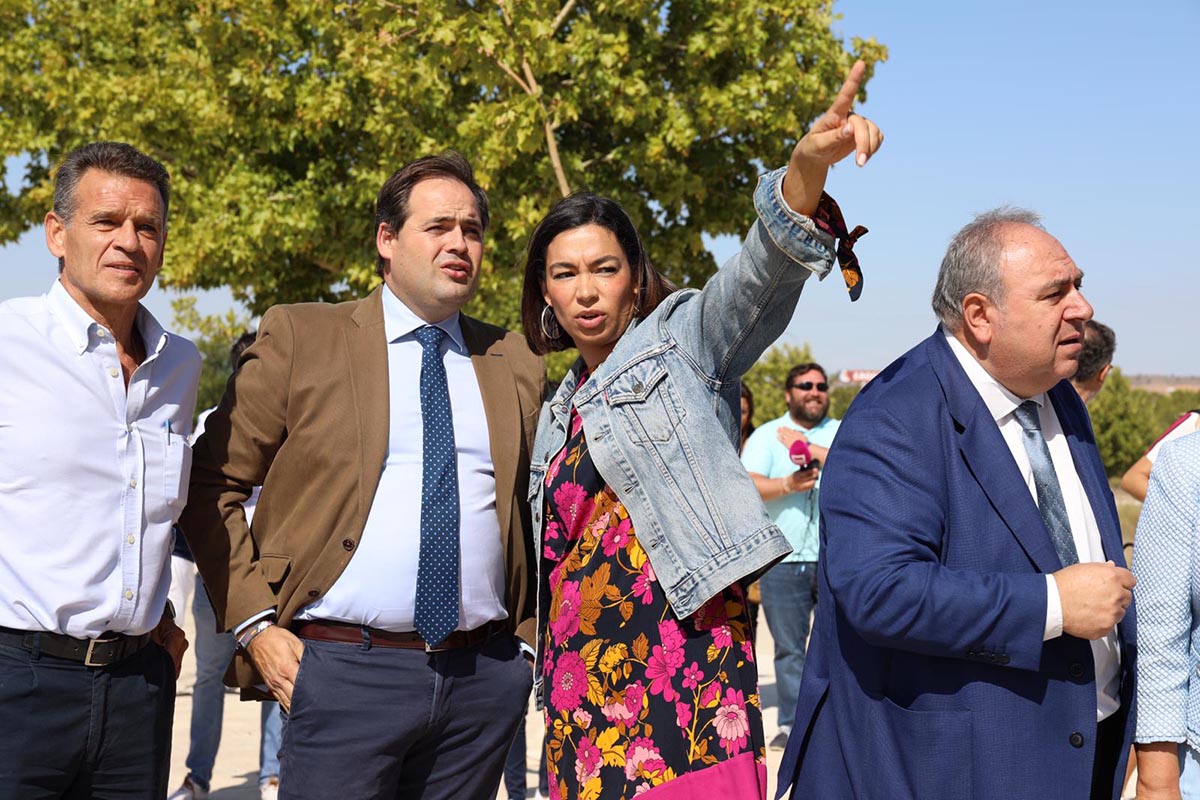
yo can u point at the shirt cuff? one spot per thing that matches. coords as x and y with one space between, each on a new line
526 650
1054 620
270 612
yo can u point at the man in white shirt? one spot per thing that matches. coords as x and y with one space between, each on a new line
975 635
94 418
380 593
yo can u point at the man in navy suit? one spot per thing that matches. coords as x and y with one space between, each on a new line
975 636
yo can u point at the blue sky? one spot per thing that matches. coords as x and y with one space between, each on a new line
1082 111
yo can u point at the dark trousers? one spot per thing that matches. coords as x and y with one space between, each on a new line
1109 746
515 767
379 723
75 732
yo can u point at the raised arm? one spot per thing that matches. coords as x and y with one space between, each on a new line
746 306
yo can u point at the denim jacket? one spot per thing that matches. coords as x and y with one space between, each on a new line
662 413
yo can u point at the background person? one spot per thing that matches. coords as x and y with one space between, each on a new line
1095 360
94 417
1168 593
789 589
643 544
1136 479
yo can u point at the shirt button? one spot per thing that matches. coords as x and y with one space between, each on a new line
129 539
128 594
133 483
101 332
113 372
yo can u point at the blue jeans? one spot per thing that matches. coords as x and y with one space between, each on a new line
213 653
789 591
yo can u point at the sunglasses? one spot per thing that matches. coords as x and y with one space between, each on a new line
806 386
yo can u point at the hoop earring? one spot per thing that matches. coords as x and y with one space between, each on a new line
550 327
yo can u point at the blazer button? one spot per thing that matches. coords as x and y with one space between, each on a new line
971 654
1075 670
1076 739
1003 658
348 544
313 592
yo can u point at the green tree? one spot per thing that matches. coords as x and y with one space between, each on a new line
1122 421
840 398
280 121
214 335
768 378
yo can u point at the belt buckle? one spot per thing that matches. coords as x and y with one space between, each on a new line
87 658
429 648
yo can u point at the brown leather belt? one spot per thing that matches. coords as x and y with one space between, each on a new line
346 633
103 651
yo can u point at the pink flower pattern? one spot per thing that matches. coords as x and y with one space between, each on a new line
646 697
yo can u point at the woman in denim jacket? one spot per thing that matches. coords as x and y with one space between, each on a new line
1166 562
645 520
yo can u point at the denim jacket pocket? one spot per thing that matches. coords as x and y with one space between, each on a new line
645 401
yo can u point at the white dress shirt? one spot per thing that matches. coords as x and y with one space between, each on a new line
379 586
1084 529
92 474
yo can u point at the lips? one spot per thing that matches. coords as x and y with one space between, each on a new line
590 320
457 270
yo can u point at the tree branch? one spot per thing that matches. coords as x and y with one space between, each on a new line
562 16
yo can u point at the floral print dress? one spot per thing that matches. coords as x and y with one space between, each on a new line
640 703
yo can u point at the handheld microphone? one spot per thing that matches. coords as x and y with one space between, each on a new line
800 454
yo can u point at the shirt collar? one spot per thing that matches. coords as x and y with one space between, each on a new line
399 321
82 328
1000 401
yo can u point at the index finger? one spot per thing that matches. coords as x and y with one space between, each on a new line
845 98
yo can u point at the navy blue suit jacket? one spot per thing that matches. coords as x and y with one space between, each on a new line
927 676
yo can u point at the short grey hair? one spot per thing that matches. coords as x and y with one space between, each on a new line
117 158
972 262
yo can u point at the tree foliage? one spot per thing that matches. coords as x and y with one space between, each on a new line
1123 421
280 120
214 336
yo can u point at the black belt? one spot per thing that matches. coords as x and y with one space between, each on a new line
103 651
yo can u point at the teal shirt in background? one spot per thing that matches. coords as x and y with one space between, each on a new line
796 514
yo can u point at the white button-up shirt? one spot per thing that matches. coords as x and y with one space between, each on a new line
92 473
1084 529
379 586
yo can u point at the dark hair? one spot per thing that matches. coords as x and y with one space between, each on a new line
748 428
1099 344
243 342
576 211
800 369
116 158
391 208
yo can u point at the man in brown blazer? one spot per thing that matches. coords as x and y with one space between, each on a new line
388 581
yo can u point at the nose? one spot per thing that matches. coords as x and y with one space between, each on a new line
1081 309
457 241
585 287
126 237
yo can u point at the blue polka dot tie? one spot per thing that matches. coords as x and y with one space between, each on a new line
1045 482
436 614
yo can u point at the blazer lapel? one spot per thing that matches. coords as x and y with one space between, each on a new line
989 459
366 353
501 406
1091 474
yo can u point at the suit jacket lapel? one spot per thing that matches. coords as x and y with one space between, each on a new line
502 407
989 459
366 353
1091 474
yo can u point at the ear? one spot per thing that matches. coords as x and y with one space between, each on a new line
385 240
1102 375
979 317
56 231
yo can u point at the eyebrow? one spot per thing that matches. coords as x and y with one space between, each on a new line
1055 284
597 262
109 213
471 219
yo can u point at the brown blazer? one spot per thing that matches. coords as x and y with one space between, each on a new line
306 417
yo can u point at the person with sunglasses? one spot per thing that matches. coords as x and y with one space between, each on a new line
789 491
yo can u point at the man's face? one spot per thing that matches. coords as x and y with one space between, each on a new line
808 406
434 259
112 248
1037 331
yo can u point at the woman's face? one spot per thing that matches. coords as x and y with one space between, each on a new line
590 286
